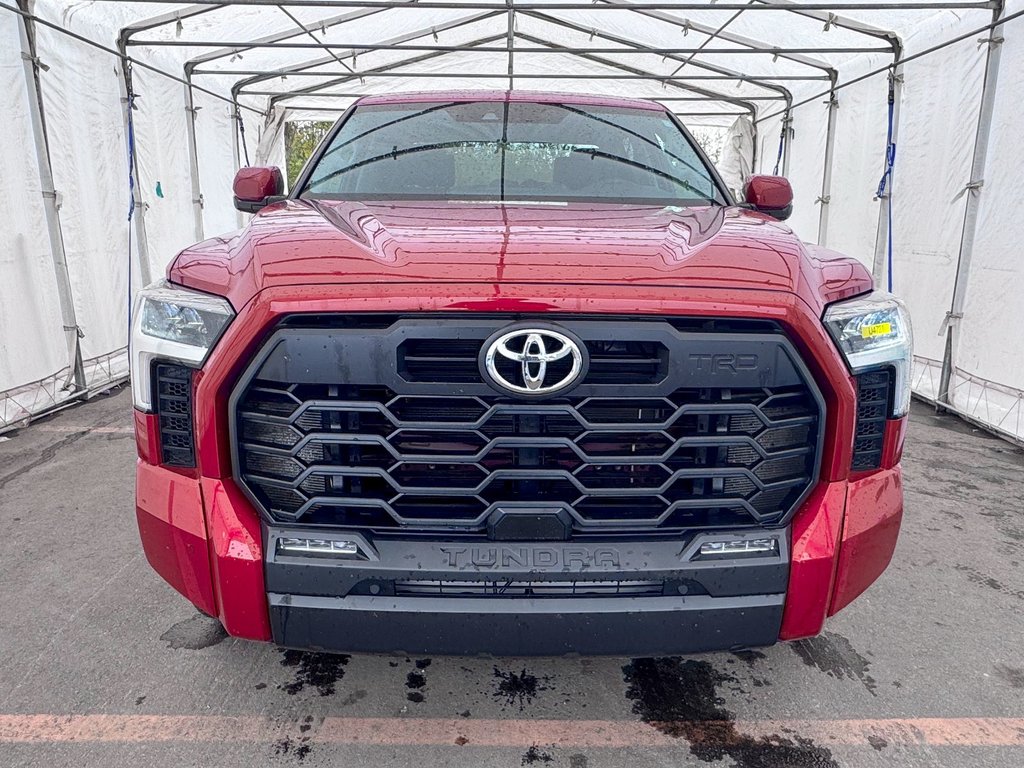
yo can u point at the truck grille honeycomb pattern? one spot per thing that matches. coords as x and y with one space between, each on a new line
172 398
366 456
874 404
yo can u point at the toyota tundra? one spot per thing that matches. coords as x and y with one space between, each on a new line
514 373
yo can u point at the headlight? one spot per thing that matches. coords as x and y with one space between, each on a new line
873 332
172 323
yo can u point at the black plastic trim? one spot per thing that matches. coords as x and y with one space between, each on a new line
875 403
593 626
175 412
350 604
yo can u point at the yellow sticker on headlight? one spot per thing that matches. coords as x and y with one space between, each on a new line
877 329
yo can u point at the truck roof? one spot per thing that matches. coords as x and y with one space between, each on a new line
541 97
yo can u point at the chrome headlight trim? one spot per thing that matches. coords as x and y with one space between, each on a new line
172 323
874 331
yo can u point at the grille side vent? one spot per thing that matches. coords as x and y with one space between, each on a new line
455 361
874 403
173 400
452 360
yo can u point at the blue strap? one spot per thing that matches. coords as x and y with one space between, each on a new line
130 102
241 131
782 143
885 183
131 158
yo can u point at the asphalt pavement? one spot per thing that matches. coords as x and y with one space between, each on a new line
103 664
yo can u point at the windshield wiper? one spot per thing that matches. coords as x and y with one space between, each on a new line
650 169
394 154
631 132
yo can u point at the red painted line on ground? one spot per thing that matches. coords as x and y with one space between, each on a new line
69 428
957 732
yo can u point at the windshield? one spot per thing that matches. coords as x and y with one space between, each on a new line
512 151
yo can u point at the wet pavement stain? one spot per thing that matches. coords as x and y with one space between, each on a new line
680 698
535 755
194 634
518 688
292 748
750 658
416 681
1012 675
356 696
984 580
832 654
316 670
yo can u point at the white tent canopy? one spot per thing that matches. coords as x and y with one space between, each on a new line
185 93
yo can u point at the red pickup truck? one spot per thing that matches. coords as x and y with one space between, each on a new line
513 373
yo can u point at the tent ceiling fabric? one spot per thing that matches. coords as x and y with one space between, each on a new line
254 64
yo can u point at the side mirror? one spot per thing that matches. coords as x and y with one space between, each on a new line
256 187
771 195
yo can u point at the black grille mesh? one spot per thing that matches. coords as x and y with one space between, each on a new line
173 402
366 456
510 588
873 408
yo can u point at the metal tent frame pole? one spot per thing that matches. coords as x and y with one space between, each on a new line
236 151
879 267
560 5
633 73
629 73
511 44
741 50
686 25
51 204
974 189
388 71
171 17
191 111
895 45
639 47
356 95
452 24
825 199
270 40
139 214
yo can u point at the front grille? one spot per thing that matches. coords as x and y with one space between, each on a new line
372 449
173 400
874 403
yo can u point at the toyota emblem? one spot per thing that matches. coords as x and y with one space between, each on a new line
533 361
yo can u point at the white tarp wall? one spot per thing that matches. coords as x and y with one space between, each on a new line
82 99
32 345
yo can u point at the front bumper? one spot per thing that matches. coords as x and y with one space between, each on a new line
521 598
203 538
551 627
203 535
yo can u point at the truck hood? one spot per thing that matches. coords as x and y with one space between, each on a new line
307 242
